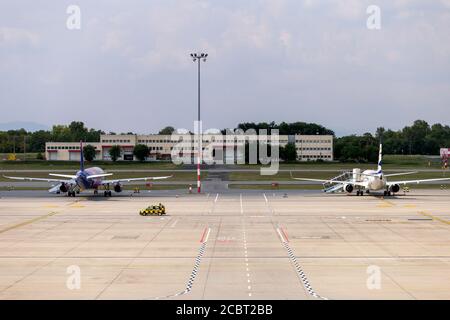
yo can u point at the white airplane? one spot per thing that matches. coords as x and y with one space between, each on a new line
89 178
370 180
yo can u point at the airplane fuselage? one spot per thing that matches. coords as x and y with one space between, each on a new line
84 183
374 182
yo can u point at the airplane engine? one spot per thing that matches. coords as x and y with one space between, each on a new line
117 188
395 188
63 188
348 188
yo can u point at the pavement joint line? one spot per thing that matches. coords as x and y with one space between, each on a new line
174 223
131 260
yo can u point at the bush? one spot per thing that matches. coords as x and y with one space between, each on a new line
141 151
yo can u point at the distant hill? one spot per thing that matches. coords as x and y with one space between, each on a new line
27 125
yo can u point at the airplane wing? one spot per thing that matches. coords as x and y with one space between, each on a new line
134 179
93 176
39 179
353 183
320 180
68 176
415 181
399 174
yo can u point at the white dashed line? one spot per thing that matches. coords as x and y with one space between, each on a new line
246 257
240 200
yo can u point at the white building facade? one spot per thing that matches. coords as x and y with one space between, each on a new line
228 148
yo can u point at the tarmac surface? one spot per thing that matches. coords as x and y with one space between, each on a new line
234 245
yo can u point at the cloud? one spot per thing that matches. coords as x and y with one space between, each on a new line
17 36
268 60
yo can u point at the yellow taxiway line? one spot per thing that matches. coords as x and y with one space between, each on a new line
28 222
434 217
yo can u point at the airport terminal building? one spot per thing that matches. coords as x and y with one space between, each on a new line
228 148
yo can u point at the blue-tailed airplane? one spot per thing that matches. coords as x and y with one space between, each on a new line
370 180
89 178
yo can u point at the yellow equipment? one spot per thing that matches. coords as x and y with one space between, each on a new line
157 210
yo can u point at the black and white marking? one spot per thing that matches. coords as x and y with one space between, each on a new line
194 272
299 270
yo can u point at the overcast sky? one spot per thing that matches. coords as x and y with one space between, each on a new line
128 67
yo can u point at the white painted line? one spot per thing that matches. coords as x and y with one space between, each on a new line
207 235
240 198
249 294
281 236
174 223
248 280
217 197
249 287
265 198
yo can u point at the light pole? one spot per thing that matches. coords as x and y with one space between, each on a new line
198 57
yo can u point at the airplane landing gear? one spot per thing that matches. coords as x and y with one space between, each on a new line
359 193
107 193
71 193
387 193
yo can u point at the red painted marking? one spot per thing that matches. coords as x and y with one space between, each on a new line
203 235
285 234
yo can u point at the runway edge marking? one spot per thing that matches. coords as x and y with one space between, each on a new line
198 259
298 268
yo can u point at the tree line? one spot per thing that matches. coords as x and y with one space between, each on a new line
419 138
18 141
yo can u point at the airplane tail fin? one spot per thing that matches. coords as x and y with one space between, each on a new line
81 156
380 160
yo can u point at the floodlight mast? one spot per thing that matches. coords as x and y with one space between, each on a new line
198 57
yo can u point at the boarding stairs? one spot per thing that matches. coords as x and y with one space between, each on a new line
330 187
